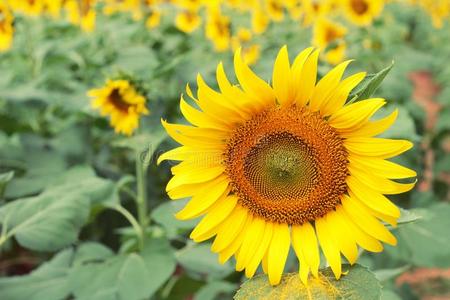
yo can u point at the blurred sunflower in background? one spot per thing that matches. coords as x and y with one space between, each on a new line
6 27
328 33
362 12
270 166
122 101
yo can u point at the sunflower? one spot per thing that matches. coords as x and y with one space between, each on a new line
362 12
188 21
122 101
270 166
6 27
218 29
327 32
81 13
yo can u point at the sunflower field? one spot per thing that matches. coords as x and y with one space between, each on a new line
224 149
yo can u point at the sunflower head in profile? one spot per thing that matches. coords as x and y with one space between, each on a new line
362 12
121 100
6 27
287 164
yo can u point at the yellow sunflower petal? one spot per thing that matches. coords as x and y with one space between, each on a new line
297 68
355 114
337 99
346 243
371 128
255 232
363 239
226 253
378 147
381 184
329 248
229 229
278 252
305 240
326 86
281 79
381 167
366 221
220 210
258 255
250 82
305 79
203 199
199 118
373 199
196 175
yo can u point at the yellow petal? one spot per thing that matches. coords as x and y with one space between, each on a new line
371 128
203 199
381 167
278 252
282 77
216 214
305 79
382 148
380 184
250 82
226 253
297 68
337 99
326 86
346 242
229 229
363 239
371 198
196 175
255 232
367 222
199 118
207 141
258 255
355 114
190 153
305 240
329 248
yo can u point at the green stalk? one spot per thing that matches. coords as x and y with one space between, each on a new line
141 199
134 223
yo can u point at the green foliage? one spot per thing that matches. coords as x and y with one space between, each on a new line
359 283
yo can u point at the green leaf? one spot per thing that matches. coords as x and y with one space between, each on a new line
370 84
4 179
425 243
110 277
129 276
48 282
164 215
160 260
386 274
358 284
199 260
408 216
389 295
214 289
46 222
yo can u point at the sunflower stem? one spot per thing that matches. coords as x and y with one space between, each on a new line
141 199
134 223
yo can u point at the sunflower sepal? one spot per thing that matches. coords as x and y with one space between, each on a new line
369 85
357 282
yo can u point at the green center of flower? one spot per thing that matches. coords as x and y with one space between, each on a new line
280 165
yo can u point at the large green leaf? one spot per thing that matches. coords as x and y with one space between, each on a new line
200 261
47 222
48 282
358 284
426 242
128 276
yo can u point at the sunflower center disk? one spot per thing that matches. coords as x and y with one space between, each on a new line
287 165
